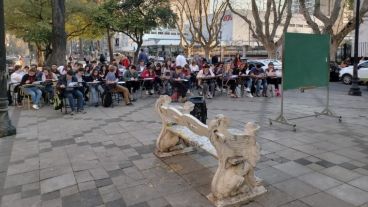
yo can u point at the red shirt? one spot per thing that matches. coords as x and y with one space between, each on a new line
148 74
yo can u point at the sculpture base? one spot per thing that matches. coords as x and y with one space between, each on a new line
237 200
173 153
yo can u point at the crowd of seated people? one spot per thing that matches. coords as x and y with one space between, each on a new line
121 77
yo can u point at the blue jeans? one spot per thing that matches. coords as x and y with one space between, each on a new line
50 91
260 82
75 94
35 93
94 93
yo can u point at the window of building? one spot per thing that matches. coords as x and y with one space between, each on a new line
117 41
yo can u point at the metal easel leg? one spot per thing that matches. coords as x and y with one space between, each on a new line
327 111
281 118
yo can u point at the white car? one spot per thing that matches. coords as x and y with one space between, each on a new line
264 63
346 74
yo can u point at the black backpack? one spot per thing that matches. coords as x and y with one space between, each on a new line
106 99
58 103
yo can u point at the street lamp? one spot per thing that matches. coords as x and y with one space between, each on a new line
6 128
355 89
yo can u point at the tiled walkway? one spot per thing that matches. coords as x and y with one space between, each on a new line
104 158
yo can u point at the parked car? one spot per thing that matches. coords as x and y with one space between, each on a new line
264 65
346 74
334 71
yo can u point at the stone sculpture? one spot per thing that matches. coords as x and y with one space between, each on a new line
236 150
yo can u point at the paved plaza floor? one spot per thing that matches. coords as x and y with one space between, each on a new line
104 157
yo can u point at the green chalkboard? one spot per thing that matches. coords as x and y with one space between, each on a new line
306 60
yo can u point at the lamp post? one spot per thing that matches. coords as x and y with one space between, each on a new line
355 89
6 128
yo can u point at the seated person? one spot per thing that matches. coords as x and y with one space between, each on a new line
111 84
96 88
65 85
131 78
206 81
177 81
15 79
48 78
272 77
218 71
80 75
229 81
258 77
33 91
149 72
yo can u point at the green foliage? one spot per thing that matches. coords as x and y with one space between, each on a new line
134 17
31 20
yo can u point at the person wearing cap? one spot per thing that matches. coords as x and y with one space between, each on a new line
259 79
206 81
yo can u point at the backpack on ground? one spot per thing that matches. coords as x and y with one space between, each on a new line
58 103
106 99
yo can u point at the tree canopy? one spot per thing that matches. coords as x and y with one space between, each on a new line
134 17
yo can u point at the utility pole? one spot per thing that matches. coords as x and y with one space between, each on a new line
355 89
6 127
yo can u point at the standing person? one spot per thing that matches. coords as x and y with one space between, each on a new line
143 57
111 83
102 58
206 81
180 60
65 85
215 60
142 66
237 61
33 91
124 61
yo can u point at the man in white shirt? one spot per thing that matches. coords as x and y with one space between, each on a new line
17 75
180 60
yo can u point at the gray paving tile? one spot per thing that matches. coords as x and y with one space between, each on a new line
139 193
116 203
296 203
51 196
340 173
273 198
72 200
91 198
296 188
293 168
319 180
57 183
349 194
361 183
324 200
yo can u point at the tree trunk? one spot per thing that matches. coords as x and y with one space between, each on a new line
81 47
139 45
111 52
207 53
271 51
39 55
58 42
333 49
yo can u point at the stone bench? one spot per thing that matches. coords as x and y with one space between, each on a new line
237 151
